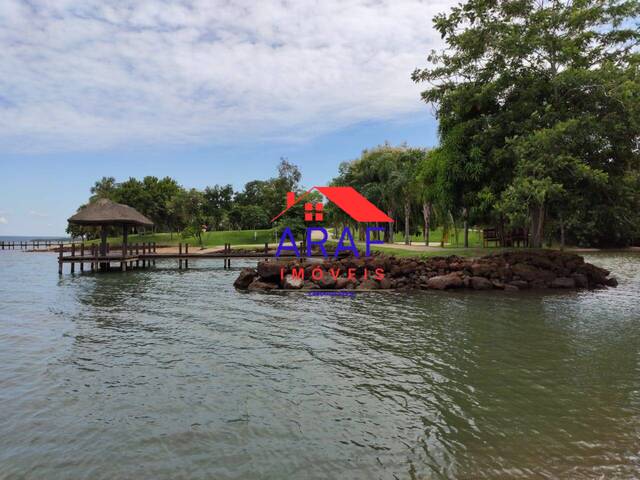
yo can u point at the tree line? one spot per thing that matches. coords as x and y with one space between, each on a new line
188 211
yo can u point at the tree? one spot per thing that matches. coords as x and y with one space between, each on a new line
248 217
103 188
218 202
188 209
538 106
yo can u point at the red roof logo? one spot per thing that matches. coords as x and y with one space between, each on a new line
346 198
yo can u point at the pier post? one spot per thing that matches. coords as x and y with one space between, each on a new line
186 251
104 247
93 258
123 261
60 260
73 254
82 255
154 251
180 255
137 255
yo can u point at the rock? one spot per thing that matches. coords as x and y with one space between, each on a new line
292 283
595 275
519 284
511 288
310 285
245 278
580 280
259 285
563 282
481 283
611 282
531 273
481 269
368 284
442 282
344 283
327 281
270 270
509 270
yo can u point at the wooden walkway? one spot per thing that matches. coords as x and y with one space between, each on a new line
144 255
88 257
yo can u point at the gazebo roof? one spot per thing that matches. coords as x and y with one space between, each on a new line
106 212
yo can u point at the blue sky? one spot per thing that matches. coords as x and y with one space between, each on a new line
203 91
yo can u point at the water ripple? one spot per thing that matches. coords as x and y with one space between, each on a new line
174 374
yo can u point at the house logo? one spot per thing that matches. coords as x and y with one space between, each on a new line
348 199
351 202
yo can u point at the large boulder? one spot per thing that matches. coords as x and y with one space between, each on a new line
247 275
443 282
596 275
270 270
481 283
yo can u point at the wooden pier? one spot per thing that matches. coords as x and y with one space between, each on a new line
143 255
31 244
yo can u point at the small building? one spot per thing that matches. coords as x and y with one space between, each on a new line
105 213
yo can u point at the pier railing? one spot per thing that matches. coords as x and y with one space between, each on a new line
143 255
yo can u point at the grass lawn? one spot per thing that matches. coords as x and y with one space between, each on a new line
475 239
209 239
439 252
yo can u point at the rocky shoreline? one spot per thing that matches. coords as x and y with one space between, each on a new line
508 271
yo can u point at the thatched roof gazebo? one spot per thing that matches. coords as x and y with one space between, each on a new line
106 213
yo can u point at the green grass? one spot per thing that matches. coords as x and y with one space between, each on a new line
439 252
209 239
475 239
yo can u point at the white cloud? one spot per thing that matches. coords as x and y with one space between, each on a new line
33 213
93 74
3 221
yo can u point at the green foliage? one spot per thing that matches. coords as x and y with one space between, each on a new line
386 175
191 212
538 104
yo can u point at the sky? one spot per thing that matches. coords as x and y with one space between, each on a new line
203 91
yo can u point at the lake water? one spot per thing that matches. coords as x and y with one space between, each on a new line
167 374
